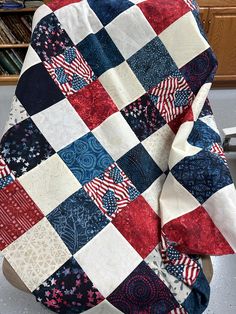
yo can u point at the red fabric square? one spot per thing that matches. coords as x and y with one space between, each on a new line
140 225
187 115
93 104
196 233
160 14
18 213
57 4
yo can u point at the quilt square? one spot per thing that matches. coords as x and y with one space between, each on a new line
51 177
143 291
106 16
152 63
69 283
159 144
111 191
143 117
135 29
37 254
108 259
5 181
187 44
202 174
70 71
196 71
144 234
161 14
87 23
121 134
93 104
172 96
122 85
86 158
18 213
42 92
139 167
49 39
23 147
92 48
77 220
104 307
60 124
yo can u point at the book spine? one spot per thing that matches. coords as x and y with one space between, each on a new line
17 56
7 65
13 59
23 19
14 28
21 28
8 32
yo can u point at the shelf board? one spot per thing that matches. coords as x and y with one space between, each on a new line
18 10
10 79
14 45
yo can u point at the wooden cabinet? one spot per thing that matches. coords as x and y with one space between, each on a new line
219 19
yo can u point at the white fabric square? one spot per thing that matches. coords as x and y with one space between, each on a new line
152 194
37 254
221 207
175 200
104 307
184 45
134 31
180 147
159 144
88 23
122 85
51 177
60 124
40 13
108 259
31 59
116 136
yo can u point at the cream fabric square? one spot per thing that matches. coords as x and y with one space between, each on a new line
116 136
184 45
175 200
108 259
31 59
152 194
159 144
60 124
105 307
37 254
88 23
134 31
51 178
122 85
40 13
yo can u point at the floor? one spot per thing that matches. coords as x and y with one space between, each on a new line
223 285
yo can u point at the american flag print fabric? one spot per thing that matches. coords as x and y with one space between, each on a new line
113 179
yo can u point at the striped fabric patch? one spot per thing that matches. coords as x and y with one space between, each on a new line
4 170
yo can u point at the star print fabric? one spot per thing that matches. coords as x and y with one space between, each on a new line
113 179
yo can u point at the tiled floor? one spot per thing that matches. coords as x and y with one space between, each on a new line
223 286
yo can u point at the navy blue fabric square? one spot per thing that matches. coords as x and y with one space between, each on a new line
36 90
106 15
202 174
206 109
152 64
143 292
68 290
86 158
200 70
77 220
100 52
202 135
139 166
143 117
49 39
23 147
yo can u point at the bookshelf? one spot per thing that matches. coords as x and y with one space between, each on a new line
13 52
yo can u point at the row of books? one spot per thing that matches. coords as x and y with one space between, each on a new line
11 61
15 28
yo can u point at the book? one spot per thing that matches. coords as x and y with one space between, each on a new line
18 29
13 59
2 71
26 22
33 4
18 57
7 65
12 4
7 31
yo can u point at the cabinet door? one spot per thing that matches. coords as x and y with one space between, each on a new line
204 17
222 37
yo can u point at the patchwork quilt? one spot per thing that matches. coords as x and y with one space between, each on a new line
113 179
